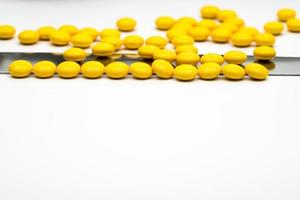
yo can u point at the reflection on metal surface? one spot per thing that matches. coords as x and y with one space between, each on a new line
280 66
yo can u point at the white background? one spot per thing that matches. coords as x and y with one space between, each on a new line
130 139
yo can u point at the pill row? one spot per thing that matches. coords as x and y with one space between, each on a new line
140 70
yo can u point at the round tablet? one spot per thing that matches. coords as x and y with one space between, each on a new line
182 40
110 32
158 41
209 71
293 25
186 48
126 24
59 38
199 33
233 71
68 69
163 69
68 28
208 23
92 69
171 33
165 54
28 37
81 40
45 31
224 14
7 32
209 12
249 29
74 54
257 71
274 28
239 22
147 51
264 39
20 68
185 72
133 42
221 35
44 69
140 70
285 14
212 58
117 70
187 20
164 22
241 39
235 57
264 53
115 41
187 58
89 31
103 49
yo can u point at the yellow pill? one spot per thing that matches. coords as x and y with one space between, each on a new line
187 20
221 35
212 58
74 54
248 29
164 22
241 39
187 58
186 48
286 14
158 41
182 40
60 38
28 37
126 24
92 69
110 32
140 70
208 23
235 57
20 68
7 32
199 33
224 14
89 31
115 41
45 32
133 42
81 40
209 12
257 71
44 69
165 54
293 25
117 70
233 71
175 32
239 22
185 72
70 29
147 51
103 49
274 28
182 26
209 71
163 69
68 69
232 27
264 39
264 53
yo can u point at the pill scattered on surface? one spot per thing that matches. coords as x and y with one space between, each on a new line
221 35
7 32
115 41
212 58
208 23
249 29
133 42
74 54
68 69
117 70
257 71
126 24
264 39
209 71
241 39
59 38
20 68
147 51
293 25
185 72
187 20
224 14
89 31
109 32
140 70
163 69
103 49
81 40
68 28
45 31
28 37
239 22
92 69
264 53
165 54
230 26
199 33
187 58
182 26
186 48
235 57
209 12
274 28
44 69
233 71
158 41
175 32
164 22
285 14
182 40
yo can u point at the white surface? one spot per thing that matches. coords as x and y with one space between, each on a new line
129 139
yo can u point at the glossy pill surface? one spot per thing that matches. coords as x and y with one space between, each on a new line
187 58
233 71
45 32
241 39
186 48
212 58
20 68
165 54
7 32
171 33
209 71
92 69
164 22
249 29
115 41
74 54
110 32
103 49
126 24
221 35
182 40
68 69
293 25
147 51
239 22
274 28
117 70
89 31
182 26
59 38
163 69
158 41
257 71
28 37
224 14
133 42
264 39
199 33
68 28
285 14
235 57
264 53
185 72
208 23
81 40
140 70
44 69
209 11
187 20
